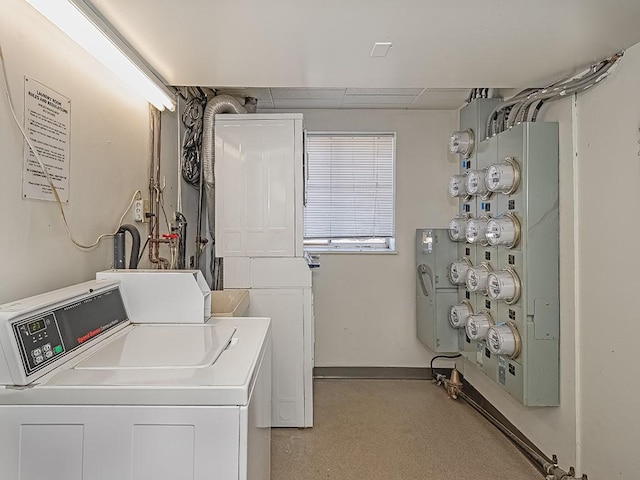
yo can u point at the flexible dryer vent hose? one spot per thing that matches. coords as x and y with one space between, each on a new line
215 105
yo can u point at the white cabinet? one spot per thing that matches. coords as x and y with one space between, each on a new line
280 288
286 308
259 233
259 185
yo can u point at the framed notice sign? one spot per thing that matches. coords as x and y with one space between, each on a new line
46 122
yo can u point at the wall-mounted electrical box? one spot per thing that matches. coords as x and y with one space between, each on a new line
435 292
510 252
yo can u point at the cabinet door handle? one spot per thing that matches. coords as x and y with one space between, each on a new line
305 168
422 271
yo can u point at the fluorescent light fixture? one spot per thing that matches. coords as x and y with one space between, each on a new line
83 25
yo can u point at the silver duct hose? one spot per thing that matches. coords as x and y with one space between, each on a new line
215 105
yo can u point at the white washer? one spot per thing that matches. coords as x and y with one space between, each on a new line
115 400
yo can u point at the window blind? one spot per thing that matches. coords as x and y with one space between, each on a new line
350 186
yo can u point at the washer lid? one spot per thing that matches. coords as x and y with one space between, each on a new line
162 347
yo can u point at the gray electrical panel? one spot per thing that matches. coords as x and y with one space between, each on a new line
473 117
511 244
434 292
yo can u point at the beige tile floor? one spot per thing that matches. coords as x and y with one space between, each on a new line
394 429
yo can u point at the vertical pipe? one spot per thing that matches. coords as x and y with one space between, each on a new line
152 219
154 190
577 289
156 198
181 230
119 250
179 153
199 241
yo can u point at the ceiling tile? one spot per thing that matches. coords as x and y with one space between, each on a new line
384 91
385 106
441 99
379 99
308 93
306 103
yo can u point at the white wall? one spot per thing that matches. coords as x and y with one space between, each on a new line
597 426
608 174
365 303
108 152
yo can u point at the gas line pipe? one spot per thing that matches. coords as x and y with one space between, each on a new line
549 467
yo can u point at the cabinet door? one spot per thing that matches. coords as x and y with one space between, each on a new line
75 442
285 308
255 187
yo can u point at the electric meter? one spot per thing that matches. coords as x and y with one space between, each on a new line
504 285
475 230
477 278
462 143
476 185
503 339
503 177
478 325
503 230
457 186
458 271
459 313
457 227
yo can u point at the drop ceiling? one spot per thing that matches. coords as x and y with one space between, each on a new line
284 98
316 54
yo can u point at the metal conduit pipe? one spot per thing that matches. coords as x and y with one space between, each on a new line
215 105
546 93
586 74
533 95
500 108
546 465
549 467
556 92
498 114
519 112
519 106
536 111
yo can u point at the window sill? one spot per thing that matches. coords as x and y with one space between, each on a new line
350 251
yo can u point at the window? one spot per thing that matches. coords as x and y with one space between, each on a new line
350 192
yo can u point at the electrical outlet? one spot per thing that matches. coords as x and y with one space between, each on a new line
140 210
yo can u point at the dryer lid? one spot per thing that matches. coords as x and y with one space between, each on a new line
165 346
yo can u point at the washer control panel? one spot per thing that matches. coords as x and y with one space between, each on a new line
40 339
46 331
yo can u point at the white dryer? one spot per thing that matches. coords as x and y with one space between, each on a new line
87 394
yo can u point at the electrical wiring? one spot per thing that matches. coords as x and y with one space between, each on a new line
192 119
137 194
433 377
